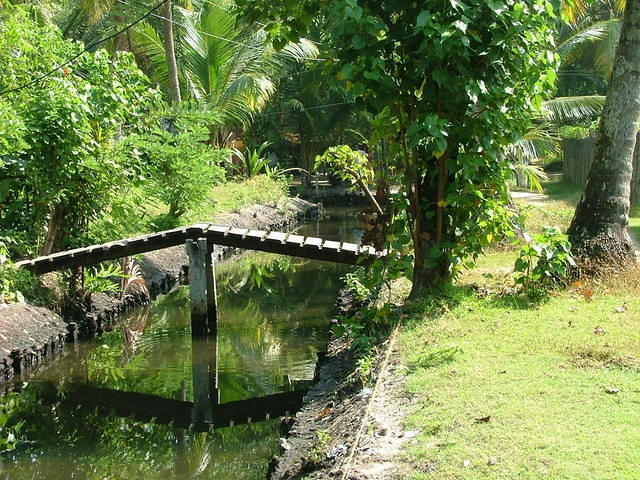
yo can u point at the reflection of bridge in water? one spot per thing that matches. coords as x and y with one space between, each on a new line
205 411
178 413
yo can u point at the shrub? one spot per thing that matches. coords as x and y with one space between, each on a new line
544 261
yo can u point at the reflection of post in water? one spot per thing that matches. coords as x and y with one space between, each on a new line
182 465
204 330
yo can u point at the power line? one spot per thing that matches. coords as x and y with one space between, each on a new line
315 107
86 49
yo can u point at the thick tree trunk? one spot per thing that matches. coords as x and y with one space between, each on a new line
170 52
429 231
598 230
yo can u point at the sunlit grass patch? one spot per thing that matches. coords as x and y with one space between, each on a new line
550 391
555 210
236 195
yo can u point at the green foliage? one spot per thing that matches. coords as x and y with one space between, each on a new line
9 431
452 85
180 164
543 262
9 292
103 279
578 131
64 172
351 166
252 161
365 367
318 449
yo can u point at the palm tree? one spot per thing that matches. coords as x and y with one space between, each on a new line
225 67
599 226
170 52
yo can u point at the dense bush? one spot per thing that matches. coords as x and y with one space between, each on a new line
60 172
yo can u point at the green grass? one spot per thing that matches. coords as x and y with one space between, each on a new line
539 373
233 196
556 210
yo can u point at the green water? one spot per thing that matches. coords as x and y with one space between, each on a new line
88 414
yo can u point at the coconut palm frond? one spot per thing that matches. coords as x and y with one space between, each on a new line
539 142
619 6
574 10
94 10
532 175
604 53
148 46
578 43
234 68
294 104
562 110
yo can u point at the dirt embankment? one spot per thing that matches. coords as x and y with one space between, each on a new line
27 335
350 427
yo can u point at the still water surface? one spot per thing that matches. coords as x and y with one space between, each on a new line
88 415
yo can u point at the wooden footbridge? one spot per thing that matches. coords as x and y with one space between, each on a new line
199 241
265 241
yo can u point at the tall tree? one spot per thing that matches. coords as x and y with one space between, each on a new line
599 227
452 84
170 52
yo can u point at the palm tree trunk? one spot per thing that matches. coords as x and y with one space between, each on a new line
170 52
598 230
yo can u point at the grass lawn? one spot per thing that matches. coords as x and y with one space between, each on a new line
503 391
509 390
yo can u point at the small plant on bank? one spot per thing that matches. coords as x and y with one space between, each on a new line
543 262
101 279
373 319
9 292
253 161
320 445
366 368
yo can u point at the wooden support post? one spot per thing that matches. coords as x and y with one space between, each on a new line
204 329
212 296
203 287
206 394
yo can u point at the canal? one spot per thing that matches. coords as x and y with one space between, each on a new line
120 407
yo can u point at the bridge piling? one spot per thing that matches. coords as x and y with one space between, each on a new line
204 328
204 315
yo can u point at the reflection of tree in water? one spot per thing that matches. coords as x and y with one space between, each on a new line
272 327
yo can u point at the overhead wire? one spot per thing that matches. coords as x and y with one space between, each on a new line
85 50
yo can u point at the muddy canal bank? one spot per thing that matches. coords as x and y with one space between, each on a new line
349 427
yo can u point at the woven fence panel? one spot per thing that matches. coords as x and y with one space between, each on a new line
578 154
